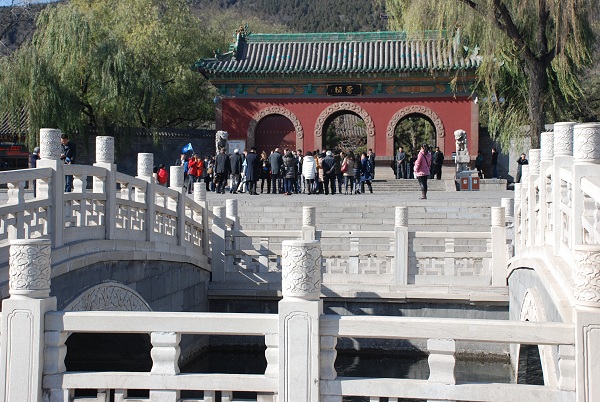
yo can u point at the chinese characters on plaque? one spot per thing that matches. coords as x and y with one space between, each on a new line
344 90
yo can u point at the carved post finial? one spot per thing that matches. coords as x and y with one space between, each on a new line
535 157
498 216
401 216
586 275
509 205
199 192
30 268
50 146
547 145
301 269
563 138
176 177
586 142
105 149
145 165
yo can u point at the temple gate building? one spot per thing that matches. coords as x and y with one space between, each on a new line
285 89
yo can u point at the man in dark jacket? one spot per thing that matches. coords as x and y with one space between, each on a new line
68 155
235 167
437 162
253 167
328 165
221 170
276 160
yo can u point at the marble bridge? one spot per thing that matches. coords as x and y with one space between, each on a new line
121 254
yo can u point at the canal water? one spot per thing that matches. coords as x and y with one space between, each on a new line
351 364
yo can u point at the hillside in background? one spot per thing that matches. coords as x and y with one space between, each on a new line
310 15
18 23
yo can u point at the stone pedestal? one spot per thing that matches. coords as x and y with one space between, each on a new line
299 313
401 245
22 338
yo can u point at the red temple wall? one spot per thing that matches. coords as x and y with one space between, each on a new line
455 113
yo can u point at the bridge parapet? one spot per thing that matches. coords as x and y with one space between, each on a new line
557 234
300 332
105 208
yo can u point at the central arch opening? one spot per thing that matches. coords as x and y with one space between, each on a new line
345 131
412 131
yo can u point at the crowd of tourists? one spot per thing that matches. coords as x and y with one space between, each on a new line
281 171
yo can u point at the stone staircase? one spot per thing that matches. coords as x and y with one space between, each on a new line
393 185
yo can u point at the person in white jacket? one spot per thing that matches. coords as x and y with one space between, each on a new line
309 171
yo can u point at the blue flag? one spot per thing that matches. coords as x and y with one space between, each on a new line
187 148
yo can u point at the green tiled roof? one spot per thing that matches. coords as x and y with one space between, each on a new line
339 53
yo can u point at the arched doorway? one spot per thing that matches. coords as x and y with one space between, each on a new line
274 131
345 132
338 109
413 131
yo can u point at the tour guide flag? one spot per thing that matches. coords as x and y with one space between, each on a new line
187 148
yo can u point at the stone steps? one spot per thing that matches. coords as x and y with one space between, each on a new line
393 185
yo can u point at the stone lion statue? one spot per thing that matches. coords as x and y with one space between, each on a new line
461 140
221 140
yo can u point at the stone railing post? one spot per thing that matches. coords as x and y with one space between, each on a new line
200 199
534 174
545 190
54 188
518 219
176 179
401 245
509 209
309 223
586 161
563 158
105 158
526 207
299 313
272 358
165 361
22 338
145 168
587 321
499 254
231 212
219 231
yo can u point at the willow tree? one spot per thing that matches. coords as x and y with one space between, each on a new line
532 51
108 63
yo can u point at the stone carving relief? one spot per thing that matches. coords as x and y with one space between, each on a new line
176 176
586 142
401 217
29 271
563 138
344 106
145 164
275 110
547 145
534 161
50 147
109 296
301 266
416 109
587 276
105 149
309 216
